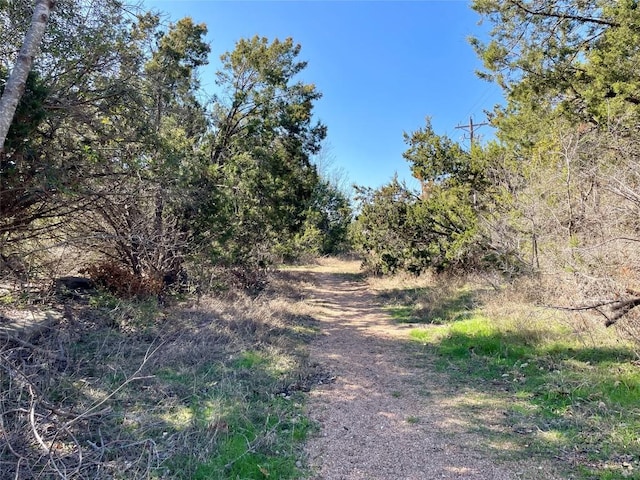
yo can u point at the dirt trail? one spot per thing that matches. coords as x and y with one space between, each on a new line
384 418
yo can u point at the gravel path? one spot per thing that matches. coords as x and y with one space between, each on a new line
383 418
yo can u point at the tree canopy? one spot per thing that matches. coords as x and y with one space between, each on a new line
112 149
555 195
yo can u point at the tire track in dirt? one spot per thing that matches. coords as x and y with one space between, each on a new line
384 418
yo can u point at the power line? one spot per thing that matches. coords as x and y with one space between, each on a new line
482 98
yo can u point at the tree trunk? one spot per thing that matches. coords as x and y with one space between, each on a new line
18 78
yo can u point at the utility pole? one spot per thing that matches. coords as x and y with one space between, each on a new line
471 128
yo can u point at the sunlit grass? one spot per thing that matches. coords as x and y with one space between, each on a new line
178 418
567 392
257 431
208 389
328 265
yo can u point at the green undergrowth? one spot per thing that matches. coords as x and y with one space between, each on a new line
564 393
258 429
428 305
213 390
240 410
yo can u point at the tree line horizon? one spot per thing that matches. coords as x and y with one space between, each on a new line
112 150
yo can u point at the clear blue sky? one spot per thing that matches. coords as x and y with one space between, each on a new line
382 67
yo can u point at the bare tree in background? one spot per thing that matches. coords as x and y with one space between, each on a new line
17 79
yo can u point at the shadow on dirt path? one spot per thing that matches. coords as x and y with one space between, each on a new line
388 415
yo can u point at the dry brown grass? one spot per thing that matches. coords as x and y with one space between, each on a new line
126 389
525 305
328 265
549 301
401 281
538 382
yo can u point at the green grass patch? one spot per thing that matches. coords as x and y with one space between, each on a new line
258 432
563 397
7 299
251 359
256 437
261 443
583 397
417 305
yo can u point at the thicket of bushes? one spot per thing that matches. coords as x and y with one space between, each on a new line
556 193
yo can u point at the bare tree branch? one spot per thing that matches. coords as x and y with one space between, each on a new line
564 16
619 308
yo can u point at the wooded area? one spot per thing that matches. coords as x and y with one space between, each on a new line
114 151
555 195
115 165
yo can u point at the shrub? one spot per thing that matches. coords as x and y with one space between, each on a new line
123 282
